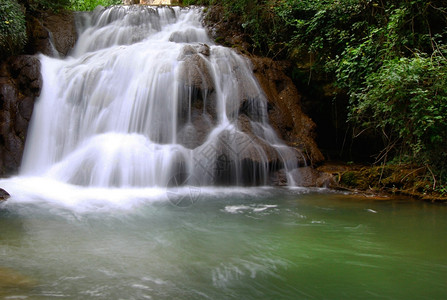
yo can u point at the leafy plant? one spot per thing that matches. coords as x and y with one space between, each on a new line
406 99
87 5
12 28
53 5
389 57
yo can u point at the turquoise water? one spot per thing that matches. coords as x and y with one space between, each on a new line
239 244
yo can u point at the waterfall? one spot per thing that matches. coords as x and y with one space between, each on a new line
146 99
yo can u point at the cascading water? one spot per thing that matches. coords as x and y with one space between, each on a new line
147 100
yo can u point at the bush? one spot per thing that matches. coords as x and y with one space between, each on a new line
12 28
77 5
87 5
406 99
53 5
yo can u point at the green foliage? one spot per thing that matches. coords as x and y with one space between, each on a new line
197 2
13 24
87 5
389 57
53 5
77 5
407 100
257 18
12 28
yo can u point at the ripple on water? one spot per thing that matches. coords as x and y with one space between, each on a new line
252 208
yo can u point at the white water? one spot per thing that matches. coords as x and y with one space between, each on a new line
120 111
147 100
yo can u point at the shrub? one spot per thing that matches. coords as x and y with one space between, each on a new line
87 5
406 99
12 28
54 5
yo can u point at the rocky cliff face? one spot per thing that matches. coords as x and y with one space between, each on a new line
20 84
52 35
21 81
285 113
284 110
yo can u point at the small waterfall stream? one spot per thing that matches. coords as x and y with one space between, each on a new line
146 99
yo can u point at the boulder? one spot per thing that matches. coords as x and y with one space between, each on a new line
194 132
194 69
196 82
235 155
4 195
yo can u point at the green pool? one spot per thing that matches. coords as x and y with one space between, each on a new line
226 244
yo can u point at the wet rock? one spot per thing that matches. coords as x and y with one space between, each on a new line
194 70
305 177
25 70
4 195
38 38
63 31
203 49
237 156
51 34
285 113
194 132
186 36
227 30
20 84
196 83
26 107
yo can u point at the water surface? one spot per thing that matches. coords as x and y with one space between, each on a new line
259 243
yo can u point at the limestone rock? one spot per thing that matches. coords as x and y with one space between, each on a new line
194 132
196 83
194 69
